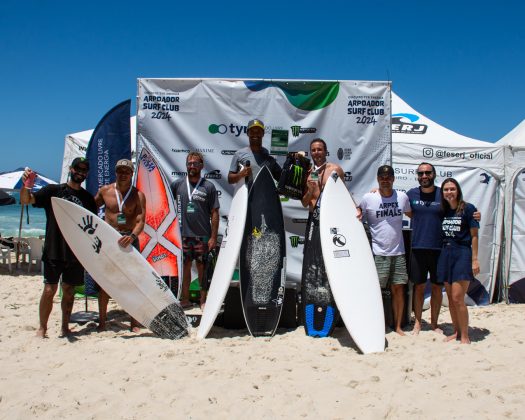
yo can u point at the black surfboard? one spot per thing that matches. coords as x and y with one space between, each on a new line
320 313
263 257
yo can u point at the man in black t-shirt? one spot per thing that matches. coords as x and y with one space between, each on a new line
58 259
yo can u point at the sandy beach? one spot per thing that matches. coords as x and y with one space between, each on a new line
118 374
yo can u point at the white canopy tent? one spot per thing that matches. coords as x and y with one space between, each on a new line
76 144
514 255
477 165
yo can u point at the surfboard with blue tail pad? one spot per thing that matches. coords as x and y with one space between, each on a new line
320 312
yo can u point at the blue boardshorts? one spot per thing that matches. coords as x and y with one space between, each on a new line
455 263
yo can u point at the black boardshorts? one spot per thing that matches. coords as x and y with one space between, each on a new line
72 272
422 263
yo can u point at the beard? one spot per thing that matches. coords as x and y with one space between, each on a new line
426 183
193 172
77 178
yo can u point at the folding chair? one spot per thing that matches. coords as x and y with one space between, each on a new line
5 257
36 247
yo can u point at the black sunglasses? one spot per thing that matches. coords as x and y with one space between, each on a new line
421 173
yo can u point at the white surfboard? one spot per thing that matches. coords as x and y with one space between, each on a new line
122 272
227 259
350 267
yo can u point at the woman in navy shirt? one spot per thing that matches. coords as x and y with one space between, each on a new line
458 262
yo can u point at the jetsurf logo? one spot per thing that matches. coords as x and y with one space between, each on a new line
344 153
295 241
298 130
215 174
174 150
406 124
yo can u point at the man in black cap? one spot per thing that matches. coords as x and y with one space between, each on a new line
383 211
58 259
255 154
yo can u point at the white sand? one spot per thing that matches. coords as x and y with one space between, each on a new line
117 374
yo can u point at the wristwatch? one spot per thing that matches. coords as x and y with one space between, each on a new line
133 236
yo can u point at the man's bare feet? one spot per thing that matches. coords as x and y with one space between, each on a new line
451 337
185 304
134 325
465 340
400 331
101 327
416 329
436 329
66 332
41 333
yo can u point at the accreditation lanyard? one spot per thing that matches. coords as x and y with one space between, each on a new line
191 207
319 174
121 217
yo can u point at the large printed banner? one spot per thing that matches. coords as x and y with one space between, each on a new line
175 116
109 143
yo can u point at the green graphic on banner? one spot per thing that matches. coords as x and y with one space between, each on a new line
279 145
308 96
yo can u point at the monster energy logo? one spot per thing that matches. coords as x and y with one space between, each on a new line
296 240
296 130
297 176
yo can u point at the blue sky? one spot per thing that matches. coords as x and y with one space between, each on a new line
64 64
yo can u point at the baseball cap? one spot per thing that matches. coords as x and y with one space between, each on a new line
79 160
385 170
255 123
124 163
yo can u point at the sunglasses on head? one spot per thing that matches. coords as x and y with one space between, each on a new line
421 173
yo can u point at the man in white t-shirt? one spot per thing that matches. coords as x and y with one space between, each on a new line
383 211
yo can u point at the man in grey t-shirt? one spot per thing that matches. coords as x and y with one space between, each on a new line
257 155
198 207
